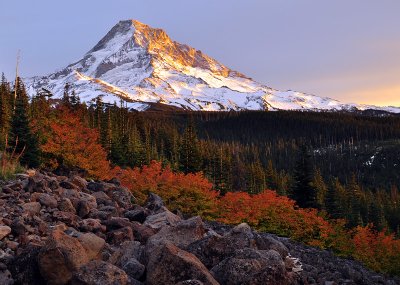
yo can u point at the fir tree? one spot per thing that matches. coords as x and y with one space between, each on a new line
303 191
335 200
21 137
5 110
320 187
190 158
354 197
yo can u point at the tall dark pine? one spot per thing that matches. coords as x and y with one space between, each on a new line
66 99
21 137
189 152
5 109
303 190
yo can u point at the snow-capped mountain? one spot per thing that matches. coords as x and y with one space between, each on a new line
142 65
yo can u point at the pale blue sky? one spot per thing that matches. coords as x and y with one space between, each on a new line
344 49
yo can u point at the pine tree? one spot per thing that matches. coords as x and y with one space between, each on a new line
355 195
271 176
5 110
335 200
74 99
21 137
303 191
66 100
320 186
189 152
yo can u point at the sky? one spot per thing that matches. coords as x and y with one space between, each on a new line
344 49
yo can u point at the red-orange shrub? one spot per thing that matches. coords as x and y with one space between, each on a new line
72 144
276 214
188 193
378 250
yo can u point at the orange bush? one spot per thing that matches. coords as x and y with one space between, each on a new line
190 193
378 250
72 144
272 213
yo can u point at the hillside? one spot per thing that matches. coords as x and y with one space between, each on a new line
66 230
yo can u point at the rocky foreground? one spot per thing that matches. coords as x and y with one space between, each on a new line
66 230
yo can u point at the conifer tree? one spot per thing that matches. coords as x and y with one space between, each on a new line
5 109
66 100
21 137
335 200
320 187
189 152
303 191
354 197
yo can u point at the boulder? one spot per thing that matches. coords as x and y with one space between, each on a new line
95 186
169 265
133 268
126 251
102 198
64 253
18 227
66 205
32 208
78 181
142 233
116 223
83 208
184 233
25 268
122 196
256 267
68 185
138 215
68 218
36 183
4 231
157 221
214 248
119 236
266 242
92 244
5 275
70 193
154 203
47 200
91 225
99 273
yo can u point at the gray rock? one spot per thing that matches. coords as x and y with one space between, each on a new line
134 268
256 267
157 221
169 265
154 203
99 273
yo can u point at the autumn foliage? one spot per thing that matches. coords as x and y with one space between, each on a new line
188 193
73 145
276 214
378 250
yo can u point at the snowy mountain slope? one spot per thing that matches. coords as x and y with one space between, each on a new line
143 65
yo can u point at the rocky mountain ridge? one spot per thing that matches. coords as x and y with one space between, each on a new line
66 230
144 66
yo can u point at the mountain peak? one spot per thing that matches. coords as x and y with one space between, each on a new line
143 65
